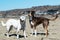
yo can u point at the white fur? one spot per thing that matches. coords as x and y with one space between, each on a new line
3 23
32 31
32 23
22 17
16 24
35 32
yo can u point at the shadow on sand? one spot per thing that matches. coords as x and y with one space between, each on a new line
39 33
20 36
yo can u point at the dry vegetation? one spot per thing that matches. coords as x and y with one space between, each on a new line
54 31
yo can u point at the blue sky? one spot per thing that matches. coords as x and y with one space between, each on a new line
20 4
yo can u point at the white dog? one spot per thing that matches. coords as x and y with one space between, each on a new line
14 23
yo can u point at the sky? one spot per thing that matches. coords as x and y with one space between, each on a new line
21 4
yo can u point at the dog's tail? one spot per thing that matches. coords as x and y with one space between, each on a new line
3 24
54 18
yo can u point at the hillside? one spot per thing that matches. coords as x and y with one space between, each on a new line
41 8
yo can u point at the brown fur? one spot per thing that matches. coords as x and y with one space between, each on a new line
41 20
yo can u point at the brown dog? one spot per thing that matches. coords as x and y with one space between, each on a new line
35 21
